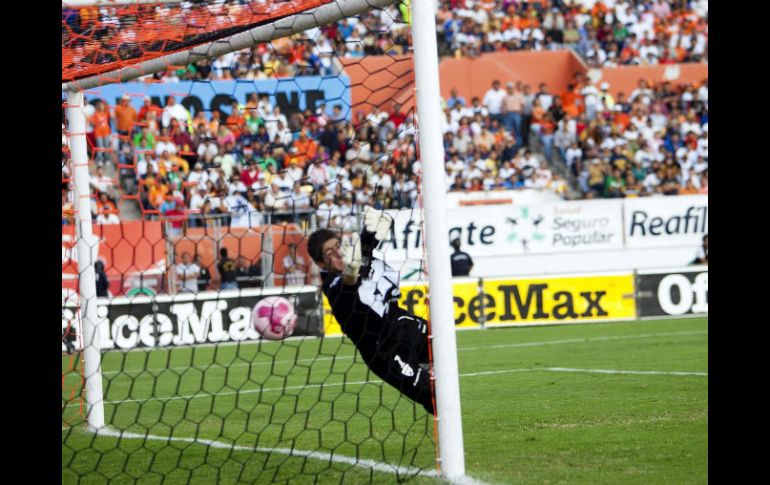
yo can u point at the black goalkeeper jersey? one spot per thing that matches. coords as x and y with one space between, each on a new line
392 342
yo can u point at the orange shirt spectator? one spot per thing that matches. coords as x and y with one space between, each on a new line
599 9
125 116
101 122
157 194
105 205
537 113
688 189
304 149
621 119
236 121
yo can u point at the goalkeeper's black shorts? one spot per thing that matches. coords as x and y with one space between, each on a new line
401 357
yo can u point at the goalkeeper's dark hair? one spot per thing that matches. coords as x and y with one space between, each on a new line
316 241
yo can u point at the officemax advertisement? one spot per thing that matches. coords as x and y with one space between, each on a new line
526 301
126 323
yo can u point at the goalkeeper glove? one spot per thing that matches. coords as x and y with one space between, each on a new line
377 222
350 251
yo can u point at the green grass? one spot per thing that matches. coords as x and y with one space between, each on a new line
532 413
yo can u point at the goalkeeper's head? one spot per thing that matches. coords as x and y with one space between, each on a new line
324 247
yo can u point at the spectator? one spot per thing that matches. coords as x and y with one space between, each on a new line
493 101
102 132
226 268
187 274
462 263
125 117
173 110
204 276
102 281
295 266
149 107
702 253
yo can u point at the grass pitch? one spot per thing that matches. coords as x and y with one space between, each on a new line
609 403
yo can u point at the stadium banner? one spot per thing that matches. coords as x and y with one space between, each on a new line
665 221
676 291
507 230
291 94
525 301
188 319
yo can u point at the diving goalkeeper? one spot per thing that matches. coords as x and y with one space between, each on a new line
363 293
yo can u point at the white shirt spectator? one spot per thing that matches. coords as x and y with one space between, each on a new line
327 211
493 100
299 200
688 127
316 174
207 150
456 166
703 147
102 183
645 157
199 177
143 163
573 154
109 218
506 172
187 276
165 146
284 182
176 111
196 201
545 100
294 274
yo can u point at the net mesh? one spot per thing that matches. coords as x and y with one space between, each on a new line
248 153
98 40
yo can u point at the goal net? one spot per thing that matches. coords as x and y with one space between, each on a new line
219 135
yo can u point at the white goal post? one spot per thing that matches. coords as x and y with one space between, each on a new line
444 343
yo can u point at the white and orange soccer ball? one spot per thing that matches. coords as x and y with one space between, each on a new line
274 317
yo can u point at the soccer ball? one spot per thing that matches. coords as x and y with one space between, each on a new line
274 317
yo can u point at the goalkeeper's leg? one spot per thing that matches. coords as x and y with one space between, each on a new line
403 361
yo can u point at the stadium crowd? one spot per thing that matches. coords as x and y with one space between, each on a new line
254 159
604 32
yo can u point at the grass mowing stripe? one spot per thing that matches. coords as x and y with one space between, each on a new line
500 346
585 340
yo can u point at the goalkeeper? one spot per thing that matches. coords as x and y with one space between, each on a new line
363 293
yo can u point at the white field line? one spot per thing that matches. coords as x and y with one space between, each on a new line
590 371
357 383
460 349
316 455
